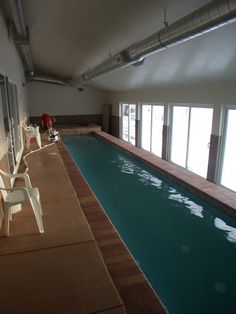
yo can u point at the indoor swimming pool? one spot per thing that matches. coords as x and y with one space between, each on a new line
185 247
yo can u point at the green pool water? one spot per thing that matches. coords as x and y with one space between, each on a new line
185 247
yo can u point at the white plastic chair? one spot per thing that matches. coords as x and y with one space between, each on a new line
32 132
16 196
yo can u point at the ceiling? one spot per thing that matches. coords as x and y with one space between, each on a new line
68 37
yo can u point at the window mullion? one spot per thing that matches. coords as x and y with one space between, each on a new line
151 128
222 153
129 124
187 151
122 119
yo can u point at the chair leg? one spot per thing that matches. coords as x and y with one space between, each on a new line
7 216
39 204
38 139
27 142
37 213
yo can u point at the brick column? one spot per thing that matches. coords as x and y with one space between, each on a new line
213 158
115 126
165 141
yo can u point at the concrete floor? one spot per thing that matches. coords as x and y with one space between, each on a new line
60 271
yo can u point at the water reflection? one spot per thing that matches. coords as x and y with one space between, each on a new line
230 231
144 176
125 165
194 208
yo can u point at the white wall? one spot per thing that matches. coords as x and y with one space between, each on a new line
10 66
215 95
60 100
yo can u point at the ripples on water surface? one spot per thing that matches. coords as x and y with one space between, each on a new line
185 247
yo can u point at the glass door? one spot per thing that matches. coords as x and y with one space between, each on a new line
8 99
179 137
228 168
128 122
146 127
7 124
199 140
152 126
14 118
190 139
157 129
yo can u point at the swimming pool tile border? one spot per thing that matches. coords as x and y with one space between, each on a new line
216 195
132 285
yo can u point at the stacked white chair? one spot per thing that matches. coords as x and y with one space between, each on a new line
32 132
16 196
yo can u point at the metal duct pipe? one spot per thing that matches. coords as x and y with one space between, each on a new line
209 17
117 61
45 79
27 58
22 38
18 17
205 19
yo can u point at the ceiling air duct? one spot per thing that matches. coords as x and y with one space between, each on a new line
205 19
21 38
46 79
115 62
21 35
209 17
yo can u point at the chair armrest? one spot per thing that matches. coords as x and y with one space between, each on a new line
31 130
4 189
24 176
23 189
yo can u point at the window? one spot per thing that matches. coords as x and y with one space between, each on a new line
228 168
8 100
14 118
128 122
152 125
190 138
146 127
